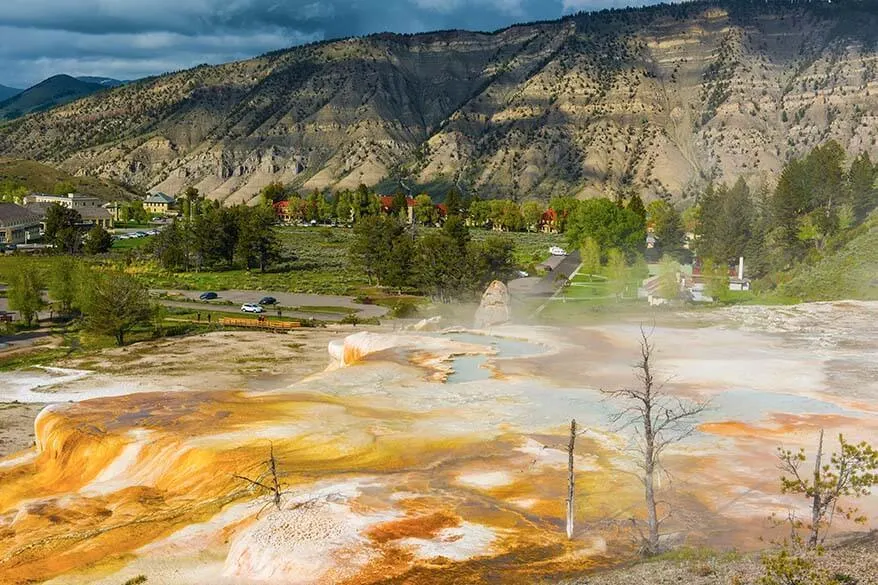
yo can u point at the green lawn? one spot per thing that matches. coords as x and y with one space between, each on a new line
130 244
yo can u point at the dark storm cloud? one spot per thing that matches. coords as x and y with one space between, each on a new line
134 38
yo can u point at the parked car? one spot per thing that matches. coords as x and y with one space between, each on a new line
557 251
208 296
268 301
251 308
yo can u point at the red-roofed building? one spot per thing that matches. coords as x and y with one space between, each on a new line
283 212
387 206
549 222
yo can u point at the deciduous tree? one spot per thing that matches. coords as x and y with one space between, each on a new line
115 303
25 292
97 240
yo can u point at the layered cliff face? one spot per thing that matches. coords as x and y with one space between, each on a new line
657 99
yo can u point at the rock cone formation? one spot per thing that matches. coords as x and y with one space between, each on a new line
494 308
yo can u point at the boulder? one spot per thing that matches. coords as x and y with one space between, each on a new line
494 308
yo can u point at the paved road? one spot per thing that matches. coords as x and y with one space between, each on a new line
269 311
288 301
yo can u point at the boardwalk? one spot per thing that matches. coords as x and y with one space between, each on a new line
260 324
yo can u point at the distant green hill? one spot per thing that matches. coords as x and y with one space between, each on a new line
8 92
851 272
34 176
55 91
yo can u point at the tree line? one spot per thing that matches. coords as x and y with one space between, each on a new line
444 264
210 236
816 201
106 302
65 232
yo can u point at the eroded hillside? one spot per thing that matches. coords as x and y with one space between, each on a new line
655 99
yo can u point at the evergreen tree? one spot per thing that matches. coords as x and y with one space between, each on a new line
453 203
257 245
382 249
98 240
62 228
862 184
635 205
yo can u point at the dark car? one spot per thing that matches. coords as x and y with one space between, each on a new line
208 296
268 301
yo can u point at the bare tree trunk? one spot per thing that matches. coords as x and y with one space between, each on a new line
815 501
649 489
571 479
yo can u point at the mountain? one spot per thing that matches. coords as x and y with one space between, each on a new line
105 81
657 99
8 92
54 91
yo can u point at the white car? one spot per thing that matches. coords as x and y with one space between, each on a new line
251 308
557 251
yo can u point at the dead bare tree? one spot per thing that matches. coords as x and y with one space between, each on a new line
267 481
571 479
658 420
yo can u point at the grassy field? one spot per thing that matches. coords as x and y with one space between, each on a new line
318 263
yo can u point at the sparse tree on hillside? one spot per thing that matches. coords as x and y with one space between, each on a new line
850 473
659 420
25 292
114 304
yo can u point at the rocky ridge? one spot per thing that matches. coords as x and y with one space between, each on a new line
657 99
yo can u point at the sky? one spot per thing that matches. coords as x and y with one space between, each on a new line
129 39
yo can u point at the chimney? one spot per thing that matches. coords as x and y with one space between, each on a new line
741 268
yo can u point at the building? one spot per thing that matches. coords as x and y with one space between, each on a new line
89 215
158 203
548 223
70 201
114 209
387 205
92 216
18 225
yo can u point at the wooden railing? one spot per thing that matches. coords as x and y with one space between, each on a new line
259 324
